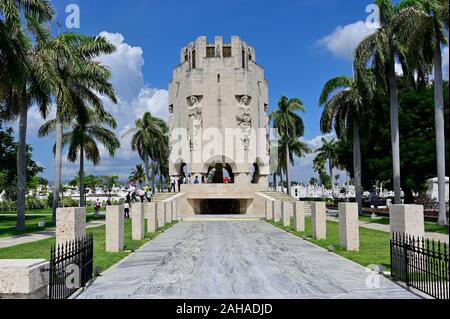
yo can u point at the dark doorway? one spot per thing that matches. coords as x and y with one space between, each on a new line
220 206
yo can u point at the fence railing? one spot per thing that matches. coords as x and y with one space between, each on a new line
421 264
71 267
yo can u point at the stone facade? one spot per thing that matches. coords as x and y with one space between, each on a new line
407 219
24 279
115 240
70 224
319 220
349 226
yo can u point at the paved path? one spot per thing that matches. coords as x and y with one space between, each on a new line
236 259
40 235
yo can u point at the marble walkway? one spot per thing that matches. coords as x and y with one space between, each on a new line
234 259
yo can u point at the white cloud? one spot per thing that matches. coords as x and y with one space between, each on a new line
344 40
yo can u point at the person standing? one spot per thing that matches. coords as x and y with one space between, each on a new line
126 207
172 185
196 181
97 207
148 195
128 200
180 181
141 194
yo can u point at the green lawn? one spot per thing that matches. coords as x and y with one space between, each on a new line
102 259
429 226
374 244
8 223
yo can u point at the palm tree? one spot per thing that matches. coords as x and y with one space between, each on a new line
429 20
381 50
290 124
137 175
87 131
77 80
328 152
23 78
343 101
296 148
147 138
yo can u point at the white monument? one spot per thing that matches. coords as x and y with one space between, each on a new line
219 127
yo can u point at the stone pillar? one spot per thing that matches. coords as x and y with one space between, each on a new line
319 220
286 213
70 224
276 208
269 209
407 219
114 229
168 211
150 213
174 210
137 221
161 214
349 226
24 279
299 216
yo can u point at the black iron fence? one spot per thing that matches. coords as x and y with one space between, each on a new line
71 267
421 264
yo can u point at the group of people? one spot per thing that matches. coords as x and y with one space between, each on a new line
195 180
137 195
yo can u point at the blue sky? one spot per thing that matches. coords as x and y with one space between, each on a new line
301 44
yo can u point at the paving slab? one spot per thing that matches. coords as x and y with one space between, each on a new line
229 259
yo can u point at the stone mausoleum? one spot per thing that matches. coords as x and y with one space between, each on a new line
219 126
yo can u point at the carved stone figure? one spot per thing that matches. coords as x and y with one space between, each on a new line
195 122
245 100
245 124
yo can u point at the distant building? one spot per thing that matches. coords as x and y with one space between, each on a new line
432 191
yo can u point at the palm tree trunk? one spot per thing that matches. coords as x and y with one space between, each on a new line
395 133
82 195
58 165
147 178
153 177
440 129
288 164
21 165
160 179
331 177
281 180
357 165
275 182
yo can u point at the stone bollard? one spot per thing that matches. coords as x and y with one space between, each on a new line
276 209
269 209
319 220
137 221
286 213
407 219
150 213
299 216
168 212
24 278
161 214
114 229
349 226
174 210
70 224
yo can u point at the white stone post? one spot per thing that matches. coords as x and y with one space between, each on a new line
299 216
24 278
269 209
319 220
137 221
161 214
168 210
276 208
349 226
70 224
174 210
150 213
407 219
114 229
286 213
